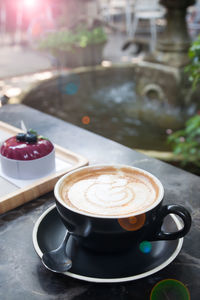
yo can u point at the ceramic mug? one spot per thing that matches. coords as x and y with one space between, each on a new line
110 233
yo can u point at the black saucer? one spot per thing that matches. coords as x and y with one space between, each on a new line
49 231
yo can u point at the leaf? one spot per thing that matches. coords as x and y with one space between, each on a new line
195 133
193 151
32 131
41 137
177 150
81 36
174 137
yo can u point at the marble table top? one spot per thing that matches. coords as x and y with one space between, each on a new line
22 276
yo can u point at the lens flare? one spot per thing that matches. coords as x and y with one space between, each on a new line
170 289
85 120
145 247
71 88
132 223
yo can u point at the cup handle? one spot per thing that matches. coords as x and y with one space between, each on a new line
182 213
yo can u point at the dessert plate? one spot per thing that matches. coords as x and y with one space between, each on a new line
87 265
15 192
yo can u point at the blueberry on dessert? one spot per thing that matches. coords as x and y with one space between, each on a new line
21 137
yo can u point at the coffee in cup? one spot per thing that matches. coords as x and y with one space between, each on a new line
110 191
111 208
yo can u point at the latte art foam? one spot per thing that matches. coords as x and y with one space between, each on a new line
110 192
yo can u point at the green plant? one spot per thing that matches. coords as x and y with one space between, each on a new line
193 69
186 142
67 40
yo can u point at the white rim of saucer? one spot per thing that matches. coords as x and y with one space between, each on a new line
109 280
116 166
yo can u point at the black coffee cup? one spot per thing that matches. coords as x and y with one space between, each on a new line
118 233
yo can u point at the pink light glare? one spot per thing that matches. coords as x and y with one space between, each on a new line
30 2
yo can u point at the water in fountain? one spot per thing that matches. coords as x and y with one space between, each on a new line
108 97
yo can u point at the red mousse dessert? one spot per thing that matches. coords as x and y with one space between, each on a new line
27 156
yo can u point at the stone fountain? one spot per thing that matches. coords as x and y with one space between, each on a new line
161 74
133 104
173 44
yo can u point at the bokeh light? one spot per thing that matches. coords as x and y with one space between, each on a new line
170 289
43 75
132 223
68 85
169 131
71 88
85 120
145 247
106 63
13 91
